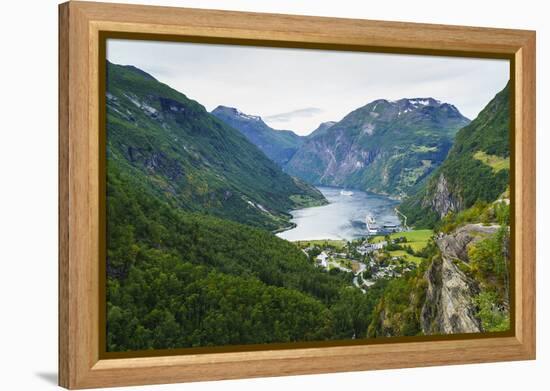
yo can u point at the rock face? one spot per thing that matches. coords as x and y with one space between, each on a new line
443 200
448 307
384 146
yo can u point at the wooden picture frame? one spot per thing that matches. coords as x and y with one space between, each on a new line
81 24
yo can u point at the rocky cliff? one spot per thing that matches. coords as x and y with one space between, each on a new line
449 306
443 200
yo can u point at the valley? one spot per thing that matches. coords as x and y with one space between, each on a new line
393 221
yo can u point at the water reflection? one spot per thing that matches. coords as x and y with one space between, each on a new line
343 217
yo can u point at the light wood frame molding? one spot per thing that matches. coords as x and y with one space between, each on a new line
80 23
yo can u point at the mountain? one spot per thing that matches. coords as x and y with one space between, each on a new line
278 145
322 128
476 169
182 152
385 146
189 261
462 286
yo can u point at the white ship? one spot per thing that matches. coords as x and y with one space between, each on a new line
346 193
372 228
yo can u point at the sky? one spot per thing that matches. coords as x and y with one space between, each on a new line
297 89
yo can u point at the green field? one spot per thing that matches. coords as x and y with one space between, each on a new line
305 201
405 255
338 244
417 238
497 163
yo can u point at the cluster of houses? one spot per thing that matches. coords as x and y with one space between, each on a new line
329 259
367 248
325 260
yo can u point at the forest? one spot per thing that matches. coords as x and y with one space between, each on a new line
178 279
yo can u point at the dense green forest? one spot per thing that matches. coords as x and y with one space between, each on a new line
177 279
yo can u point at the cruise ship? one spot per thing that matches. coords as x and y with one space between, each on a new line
372 228
346 193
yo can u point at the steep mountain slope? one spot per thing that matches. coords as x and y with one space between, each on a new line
322 128
385 146
177 279
278 145
476 169
180 151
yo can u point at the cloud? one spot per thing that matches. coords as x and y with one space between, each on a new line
288 116
324 85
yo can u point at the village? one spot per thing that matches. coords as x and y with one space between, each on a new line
369 259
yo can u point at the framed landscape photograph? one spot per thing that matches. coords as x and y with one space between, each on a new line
247 195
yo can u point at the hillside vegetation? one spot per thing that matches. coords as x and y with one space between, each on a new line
194 160
177 279
476 170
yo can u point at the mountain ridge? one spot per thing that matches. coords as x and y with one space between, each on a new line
322 128
278 145
172 143
384 146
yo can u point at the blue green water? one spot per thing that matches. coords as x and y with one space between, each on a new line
342 218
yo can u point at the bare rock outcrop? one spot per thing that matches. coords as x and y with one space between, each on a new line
443 200
449 307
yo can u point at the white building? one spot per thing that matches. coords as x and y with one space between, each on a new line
322 259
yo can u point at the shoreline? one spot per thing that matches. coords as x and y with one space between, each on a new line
283 229
345 220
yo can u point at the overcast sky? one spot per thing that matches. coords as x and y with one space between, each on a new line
297 89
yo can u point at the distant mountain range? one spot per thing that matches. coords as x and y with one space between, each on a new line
401 148
278 145
203 163
179 151
384 146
